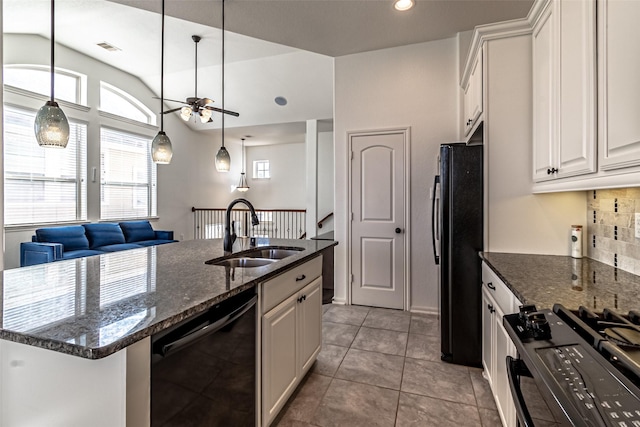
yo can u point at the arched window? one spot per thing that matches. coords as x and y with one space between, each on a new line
118 102
70 86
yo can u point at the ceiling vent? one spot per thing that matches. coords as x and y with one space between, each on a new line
109 47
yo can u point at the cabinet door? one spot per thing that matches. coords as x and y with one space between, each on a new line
310 323
503 347
564 88
473 95
279 355
487 335
619 85
577 91
544 138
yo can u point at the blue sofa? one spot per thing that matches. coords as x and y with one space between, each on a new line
76 241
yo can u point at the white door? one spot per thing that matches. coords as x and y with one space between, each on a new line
378 219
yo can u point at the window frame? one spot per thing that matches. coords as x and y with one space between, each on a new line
256 169
81 81
152 184
81 202
87 201
132 100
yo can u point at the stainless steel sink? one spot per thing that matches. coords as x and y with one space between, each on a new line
242 262
271 253
257 257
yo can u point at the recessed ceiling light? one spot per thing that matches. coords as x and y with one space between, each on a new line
109 47
403 5
281 101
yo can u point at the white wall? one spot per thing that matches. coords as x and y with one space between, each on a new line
286 187
414 86
326 186
519 221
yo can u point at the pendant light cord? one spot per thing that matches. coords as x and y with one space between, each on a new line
162 73
53 45
223 73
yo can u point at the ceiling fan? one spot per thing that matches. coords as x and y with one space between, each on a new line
198 106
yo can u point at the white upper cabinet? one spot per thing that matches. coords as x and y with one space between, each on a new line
472 87
619 83
564 88
544 137
583 49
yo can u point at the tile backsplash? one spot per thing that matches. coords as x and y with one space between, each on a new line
611 228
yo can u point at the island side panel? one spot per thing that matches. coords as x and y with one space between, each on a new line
139 384
41 387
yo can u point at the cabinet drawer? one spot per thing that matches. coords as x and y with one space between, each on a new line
276 290
497 289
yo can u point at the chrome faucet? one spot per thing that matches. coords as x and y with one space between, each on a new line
229 226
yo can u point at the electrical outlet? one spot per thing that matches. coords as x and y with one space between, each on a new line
181 236
637 225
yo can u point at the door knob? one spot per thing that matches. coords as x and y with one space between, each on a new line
398 230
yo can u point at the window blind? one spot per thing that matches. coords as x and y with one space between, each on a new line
128 182
42 185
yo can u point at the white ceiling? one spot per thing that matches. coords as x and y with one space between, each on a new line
342 27
273 47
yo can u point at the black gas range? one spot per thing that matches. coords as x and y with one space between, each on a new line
586 365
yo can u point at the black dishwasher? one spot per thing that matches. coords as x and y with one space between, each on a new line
203 370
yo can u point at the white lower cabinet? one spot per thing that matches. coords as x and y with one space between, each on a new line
310 324
502 393
291 333
497 300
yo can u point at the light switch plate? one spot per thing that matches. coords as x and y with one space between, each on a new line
637 225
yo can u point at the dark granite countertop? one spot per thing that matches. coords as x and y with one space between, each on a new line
544 280
92 307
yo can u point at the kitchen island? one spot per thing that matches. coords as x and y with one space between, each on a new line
545 280
74 335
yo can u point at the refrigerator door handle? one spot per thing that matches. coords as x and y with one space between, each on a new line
435 221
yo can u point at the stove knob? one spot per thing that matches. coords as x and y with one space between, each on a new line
540 328
525 310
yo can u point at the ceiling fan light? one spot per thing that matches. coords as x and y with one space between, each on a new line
223 160
185 113
51 126
205 115
161 149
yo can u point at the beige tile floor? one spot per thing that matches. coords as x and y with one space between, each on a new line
381 367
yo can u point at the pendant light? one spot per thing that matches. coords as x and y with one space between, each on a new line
51 125
223 160
161 149
242 185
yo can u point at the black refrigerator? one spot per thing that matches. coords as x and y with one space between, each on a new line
457 238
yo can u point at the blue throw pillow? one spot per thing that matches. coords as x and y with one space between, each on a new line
104 234
72 237
137 231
